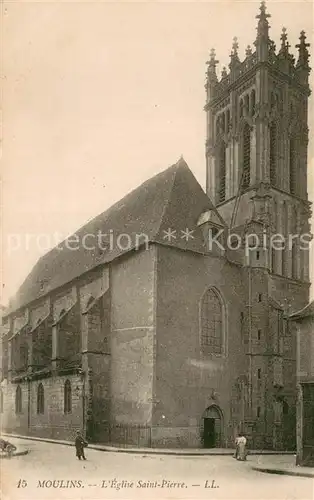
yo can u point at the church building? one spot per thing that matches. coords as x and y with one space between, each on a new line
174 331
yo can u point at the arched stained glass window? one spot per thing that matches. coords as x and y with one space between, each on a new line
211 323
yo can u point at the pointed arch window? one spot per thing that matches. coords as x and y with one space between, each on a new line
40 399
273 249
211 323
246 156
222 173
273 154
285 235
294 265
241 108
247 104
18 400
67 397
253 99
228 120
292 167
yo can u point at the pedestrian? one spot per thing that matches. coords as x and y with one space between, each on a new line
241 452
80 443
236 447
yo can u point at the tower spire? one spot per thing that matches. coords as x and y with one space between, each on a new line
234 58
262 39
302 66
284 49
212 63
304 55
211 75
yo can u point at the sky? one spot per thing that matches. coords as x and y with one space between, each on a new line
97 97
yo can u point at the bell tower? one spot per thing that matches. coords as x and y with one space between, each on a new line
256 165
257 140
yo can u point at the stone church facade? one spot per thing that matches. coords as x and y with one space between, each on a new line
162 336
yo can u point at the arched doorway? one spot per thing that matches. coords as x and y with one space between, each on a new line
212 427
289 426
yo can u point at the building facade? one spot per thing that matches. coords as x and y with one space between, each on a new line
174 331
303 325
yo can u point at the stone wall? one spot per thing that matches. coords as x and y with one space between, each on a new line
53 423
186 382
133 332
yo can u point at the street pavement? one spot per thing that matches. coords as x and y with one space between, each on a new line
52 471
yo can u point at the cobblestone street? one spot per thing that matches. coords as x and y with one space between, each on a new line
51 471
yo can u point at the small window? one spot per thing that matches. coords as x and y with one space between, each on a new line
260 297
253 102
258 411
259 333
18 400
241 108
242 316
67 397
247 103
1 401
259 371
40 399
257 255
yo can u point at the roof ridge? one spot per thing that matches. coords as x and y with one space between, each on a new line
175 168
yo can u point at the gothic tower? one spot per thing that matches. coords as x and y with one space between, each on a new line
256 161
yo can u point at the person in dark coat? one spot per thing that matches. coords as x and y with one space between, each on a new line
79 445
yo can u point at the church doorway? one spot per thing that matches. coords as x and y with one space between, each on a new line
289 427
212 426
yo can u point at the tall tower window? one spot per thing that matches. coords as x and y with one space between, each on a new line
274 250
292 167
40 399
241 108
273 154
294 260
285 234
222 173
252 106
246 155
211 323
247 103
18 400
228 120
67 397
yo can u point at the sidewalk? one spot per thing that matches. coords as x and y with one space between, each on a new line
154 451
284 465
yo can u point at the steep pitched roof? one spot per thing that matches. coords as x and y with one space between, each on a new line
172 199
306 312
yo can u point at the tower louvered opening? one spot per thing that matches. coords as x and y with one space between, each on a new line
273 154
222 173
246 156
292 169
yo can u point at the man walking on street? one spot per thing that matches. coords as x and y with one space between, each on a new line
79 445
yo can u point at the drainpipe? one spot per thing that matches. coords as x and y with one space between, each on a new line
28 404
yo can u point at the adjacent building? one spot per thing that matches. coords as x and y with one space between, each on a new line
303 324
171 329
